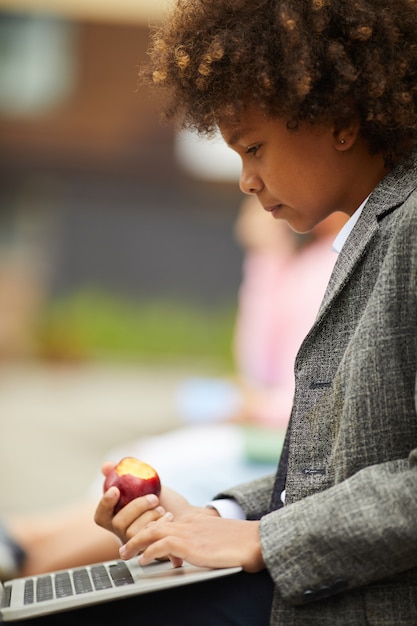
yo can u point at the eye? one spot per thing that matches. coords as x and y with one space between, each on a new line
253 149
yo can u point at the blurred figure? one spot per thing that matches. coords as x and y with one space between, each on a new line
21 297
235 428
11 555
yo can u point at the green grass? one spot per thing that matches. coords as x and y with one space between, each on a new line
90 324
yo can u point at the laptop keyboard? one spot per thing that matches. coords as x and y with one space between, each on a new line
82 580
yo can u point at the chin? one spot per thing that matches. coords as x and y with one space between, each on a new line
299 227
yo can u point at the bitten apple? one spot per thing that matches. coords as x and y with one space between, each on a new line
133 478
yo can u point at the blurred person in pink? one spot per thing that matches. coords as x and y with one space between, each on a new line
285 275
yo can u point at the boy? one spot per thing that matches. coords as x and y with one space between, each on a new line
319 99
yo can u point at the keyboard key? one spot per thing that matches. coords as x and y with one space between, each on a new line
44 589
101 579
120 574
6 597
29 593
63 586
81 580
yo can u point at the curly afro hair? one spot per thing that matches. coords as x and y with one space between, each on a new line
320 61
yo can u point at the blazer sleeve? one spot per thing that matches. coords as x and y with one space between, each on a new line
254 497
307 545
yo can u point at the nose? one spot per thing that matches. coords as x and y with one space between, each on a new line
250 183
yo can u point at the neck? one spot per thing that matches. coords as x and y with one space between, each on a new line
367 171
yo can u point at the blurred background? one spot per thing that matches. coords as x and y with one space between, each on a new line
119 267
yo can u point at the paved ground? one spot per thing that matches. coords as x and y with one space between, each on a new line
57 423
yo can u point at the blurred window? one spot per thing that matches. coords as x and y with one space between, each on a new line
37 63
210 159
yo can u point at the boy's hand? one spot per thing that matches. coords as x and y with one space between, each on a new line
201 538
131 518
139 512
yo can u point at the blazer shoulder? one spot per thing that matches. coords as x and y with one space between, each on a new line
397 188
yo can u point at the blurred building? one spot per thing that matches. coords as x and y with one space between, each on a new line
92 193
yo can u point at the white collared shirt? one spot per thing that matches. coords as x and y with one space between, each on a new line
345 231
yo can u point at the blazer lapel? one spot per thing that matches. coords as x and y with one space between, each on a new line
389 195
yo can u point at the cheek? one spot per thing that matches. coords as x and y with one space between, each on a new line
287 174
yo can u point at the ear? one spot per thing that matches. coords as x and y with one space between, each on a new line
345 138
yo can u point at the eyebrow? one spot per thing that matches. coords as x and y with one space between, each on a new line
237 135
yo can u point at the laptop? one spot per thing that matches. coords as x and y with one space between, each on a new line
24 598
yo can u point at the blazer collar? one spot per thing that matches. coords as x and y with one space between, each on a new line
388 196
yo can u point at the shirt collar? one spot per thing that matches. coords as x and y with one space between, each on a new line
344 233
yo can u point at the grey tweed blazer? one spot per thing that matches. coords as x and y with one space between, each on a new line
343 549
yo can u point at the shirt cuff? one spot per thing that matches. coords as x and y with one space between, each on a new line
227 508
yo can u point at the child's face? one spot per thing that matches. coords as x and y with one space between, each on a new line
300 175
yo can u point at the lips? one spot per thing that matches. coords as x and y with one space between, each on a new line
275 210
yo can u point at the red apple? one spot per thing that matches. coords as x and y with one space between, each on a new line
133 478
